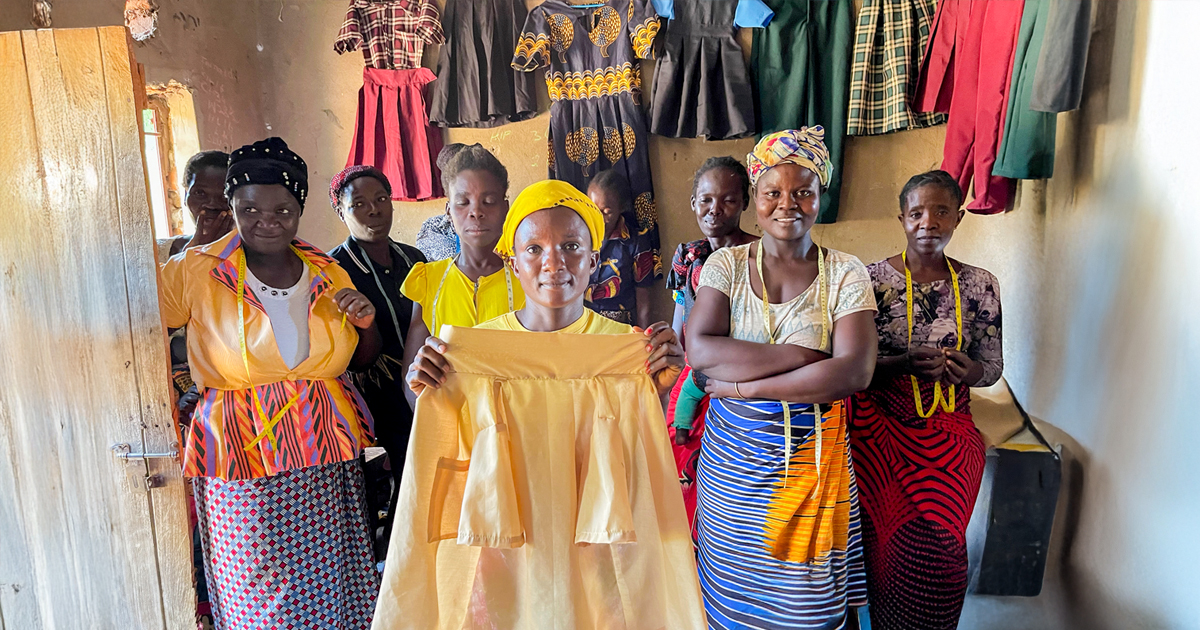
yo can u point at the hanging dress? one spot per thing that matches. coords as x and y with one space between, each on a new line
701 85
591 54
476 86
800 64
392 130
887 57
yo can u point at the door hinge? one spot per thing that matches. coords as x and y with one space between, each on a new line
124 452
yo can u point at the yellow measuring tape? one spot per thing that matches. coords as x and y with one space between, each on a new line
947 403
268 430
823 302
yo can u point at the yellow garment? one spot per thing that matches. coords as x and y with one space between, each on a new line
461 302
591 323
540 492
550 193
326 424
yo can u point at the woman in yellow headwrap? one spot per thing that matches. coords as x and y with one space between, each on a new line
552 239
783 330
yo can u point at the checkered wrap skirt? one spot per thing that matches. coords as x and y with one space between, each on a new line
288 551
888 46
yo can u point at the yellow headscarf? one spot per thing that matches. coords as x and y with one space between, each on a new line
804 146
550 193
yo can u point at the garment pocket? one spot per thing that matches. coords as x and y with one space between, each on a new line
605 514
490 514
446 499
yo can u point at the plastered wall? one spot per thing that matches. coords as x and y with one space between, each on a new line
1094 265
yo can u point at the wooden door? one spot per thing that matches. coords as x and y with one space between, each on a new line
83 360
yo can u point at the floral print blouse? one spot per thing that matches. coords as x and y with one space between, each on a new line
933 310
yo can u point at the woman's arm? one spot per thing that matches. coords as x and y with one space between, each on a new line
849 369
677 324
712 352
360 312
644 317
413 340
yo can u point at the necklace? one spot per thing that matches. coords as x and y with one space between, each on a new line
947 402
822 300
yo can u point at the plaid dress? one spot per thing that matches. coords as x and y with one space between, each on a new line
391 33
888 43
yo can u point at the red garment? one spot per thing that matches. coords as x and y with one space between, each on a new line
969 75
687 455
391 33
394 134
917 484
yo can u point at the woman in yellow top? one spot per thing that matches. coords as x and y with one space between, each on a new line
476 284
273 324
552 238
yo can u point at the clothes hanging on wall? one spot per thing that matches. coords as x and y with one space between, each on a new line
540 492
800 64
476 86
968 75
701 85
1058 84
391 33
393 133
887 58
591 54
392 130
1027 145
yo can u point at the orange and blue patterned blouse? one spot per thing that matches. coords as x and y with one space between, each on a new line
627 260
326 422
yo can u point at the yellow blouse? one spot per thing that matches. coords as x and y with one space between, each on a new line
326 423
540 492
449 298
591 323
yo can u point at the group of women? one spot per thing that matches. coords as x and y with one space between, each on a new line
822 425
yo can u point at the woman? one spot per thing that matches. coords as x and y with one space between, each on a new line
272 326
553 237
918 456
784 331
622 285
204 196
362 198
476 284
720 195
590 553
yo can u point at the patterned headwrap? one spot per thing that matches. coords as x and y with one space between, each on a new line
550 193
804 146
351 173
267 162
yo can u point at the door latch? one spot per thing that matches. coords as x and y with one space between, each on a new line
124 452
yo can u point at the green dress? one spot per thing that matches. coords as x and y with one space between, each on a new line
800 64
1027 146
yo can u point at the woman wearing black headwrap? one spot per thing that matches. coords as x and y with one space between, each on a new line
273 324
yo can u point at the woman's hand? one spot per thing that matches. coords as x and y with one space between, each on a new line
358 309
961 369
665 363
927 364
211 225
429 367
721 389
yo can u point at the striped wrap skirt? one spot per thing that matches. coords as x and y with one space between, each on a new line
779 543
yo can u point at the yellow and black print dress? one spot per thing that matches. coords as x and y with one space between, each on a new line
591 55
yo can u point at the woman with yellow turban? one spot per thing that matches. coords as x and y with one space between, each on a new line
783 330
551 238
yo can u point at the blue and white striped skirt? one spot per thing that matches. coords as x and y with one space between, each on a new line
740 481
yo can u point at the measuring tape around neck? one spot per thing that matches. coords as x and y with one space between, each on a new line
437 296
823 304
947 403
